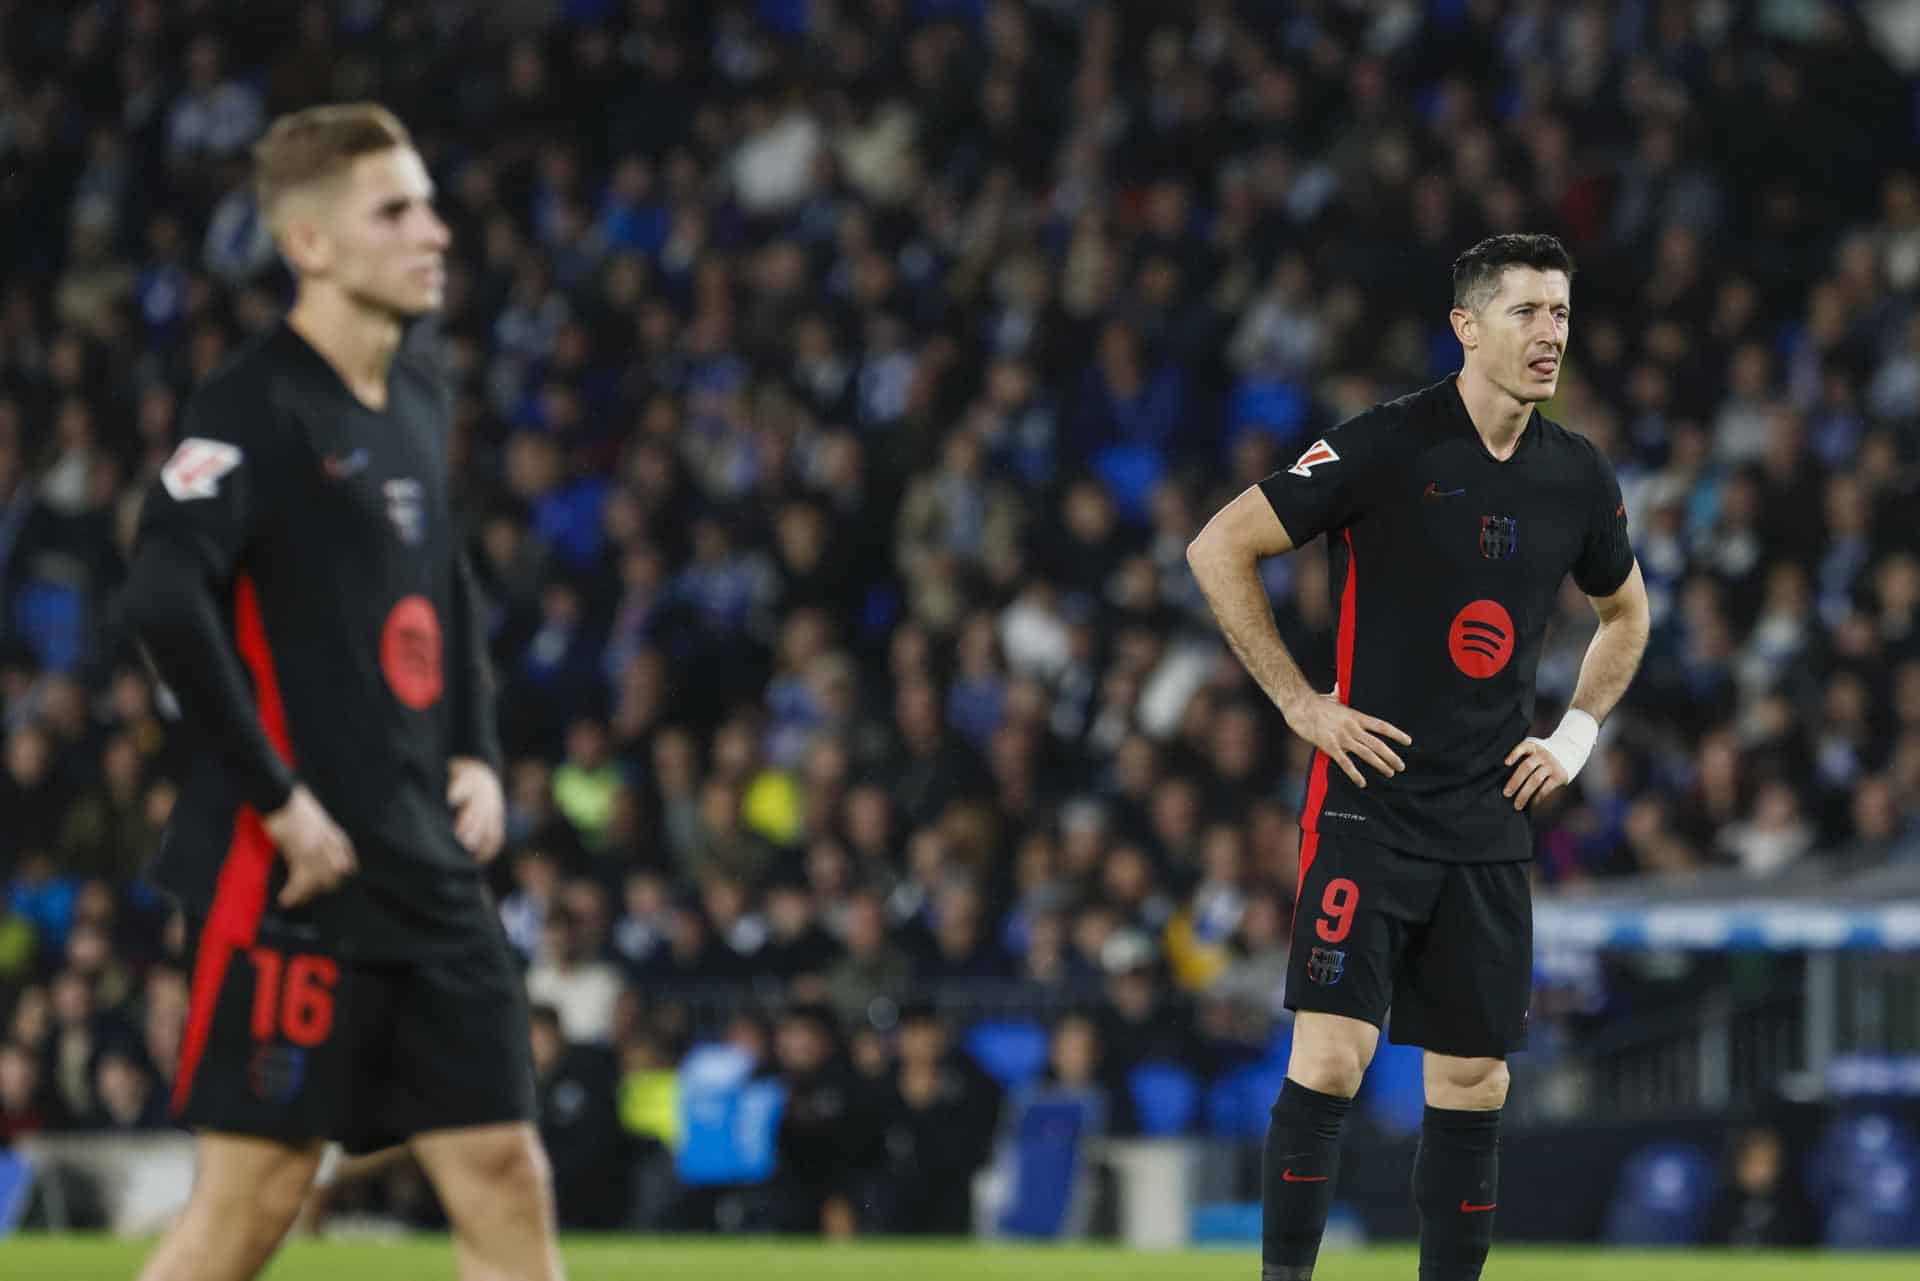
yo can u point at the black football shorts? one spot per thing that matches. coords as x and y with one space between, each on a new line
286 1040
1448 947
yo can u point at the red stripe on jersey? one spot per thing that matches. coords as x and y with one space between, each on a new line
240 895
250 635
1343 653
1343 675
1309 846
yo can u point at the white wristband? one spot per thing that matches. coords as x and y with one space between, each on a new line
1573 741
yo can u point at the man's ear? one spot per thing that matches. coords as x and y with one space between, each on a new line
300 230
1465 328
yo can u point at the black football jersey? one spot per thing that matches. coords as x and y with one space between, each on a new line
322 527
1446 565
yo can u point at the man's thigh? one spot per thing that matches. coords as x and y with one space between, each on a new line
1360 904
1464 988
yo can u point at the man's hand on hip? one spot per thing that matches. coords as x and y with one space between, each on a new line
319 855
1538 775
1343 734
479 807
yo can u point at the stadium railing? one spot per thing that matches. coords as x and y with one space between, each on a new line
1798 985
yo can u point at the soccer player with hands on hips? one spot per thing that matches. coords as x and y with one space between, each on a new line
298 584
1451 517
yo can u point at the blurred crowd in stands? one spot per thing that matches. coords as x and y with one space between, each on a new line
839 383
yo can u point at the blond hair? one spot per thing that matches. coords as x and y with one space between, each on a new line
318 145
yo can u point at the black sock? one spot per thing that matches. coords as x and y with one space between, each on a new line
1301 1165
1456 1178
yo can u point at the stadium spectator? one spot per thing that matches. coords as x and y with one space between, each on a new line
569 975
829 1143
872 968
24 1106
579 1124
128 1098
1760 1201
940 1123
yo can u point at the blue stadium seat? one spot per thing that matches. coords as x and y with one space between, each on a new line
1864 1175
1226 1223
1240 1103
1881 1211
1852 1145
16 1185
1166 1098
1277 408
1394 1091
53 619
1130 473
1662 1198
1049 1130
1279 1045
1011 1051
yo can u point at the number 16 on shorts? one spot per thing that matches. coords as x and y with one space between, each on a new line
293 997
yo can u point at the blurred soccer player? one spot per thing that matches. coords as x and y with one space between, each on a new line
1451 516
299 586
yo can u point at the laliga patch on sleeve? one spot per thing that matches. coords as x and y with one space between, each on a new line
1319 452
196 467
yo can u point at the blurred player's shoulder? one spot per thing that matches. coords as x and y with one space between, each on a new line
242 396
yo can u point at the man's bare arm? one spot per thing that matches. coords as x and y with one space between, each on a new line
1225 558
1543 766
1615 652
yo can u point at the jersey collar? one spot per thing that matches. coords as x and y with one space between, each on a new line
1457 412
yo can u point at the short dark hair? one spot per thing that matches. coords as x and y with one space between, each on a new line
1476 273
319 144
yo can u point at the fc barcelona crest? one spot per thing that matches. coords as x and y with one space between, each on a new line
1499 535
404 508
277 1072
1326 965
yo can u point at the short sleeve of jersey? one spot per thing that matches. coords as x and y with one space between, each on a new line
1606 555
1331 483
207 495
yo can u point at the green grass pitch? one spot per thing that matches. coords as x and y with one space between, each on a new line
31 1258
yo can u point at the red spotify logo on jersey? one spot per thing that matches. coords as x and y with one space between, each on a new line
410 652
1481 639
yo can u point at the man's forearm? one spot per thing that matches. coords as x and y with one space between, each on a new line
1612 659
1239 602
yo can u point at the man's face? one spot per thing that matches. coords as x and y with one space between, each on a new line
378 238
1520 334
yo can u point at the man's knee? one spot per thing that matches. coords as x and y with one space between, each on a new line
1330 1054
507 1169
1466 1085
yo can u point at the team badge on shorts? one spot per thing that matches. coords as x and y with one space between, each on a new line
1325 965
276 1072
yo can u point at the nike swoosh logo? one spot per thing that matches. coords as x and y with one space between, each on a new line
1290 1177
1467 1207
339 467
1434 491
